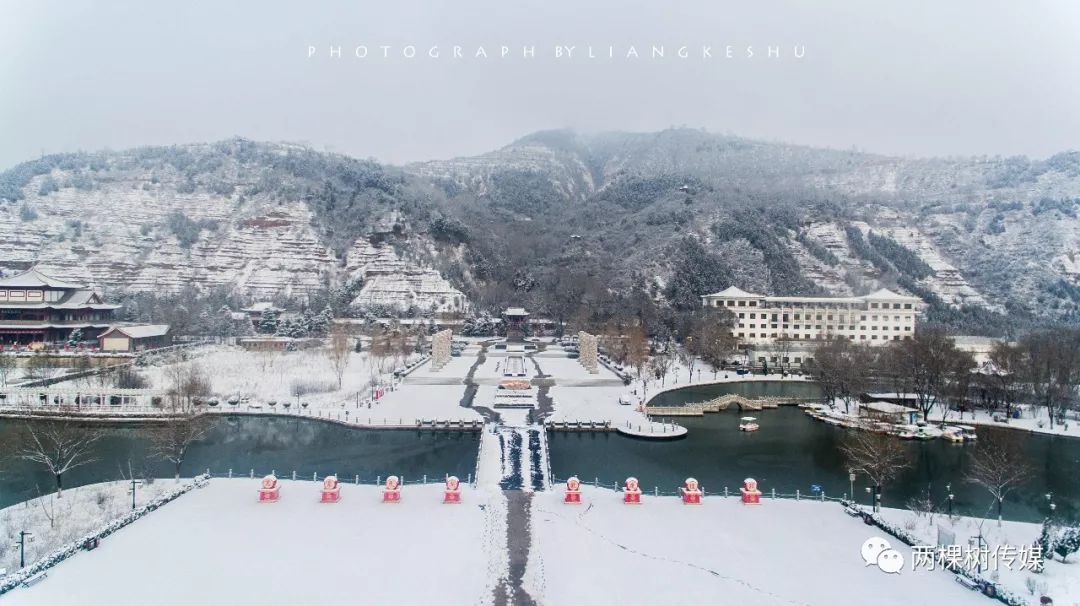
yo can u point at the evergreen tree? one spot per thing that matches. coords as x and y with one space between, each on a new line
268 323
321 322
307 321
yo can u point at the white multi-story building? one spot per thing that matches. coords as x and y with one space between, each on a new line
873 319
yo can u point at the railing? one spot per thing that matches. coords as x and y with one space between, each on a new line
108 411
344 478
725 493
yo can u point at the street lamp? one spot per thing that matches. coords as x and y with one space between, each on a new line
134 484
851 483
871 498
24 538
948 488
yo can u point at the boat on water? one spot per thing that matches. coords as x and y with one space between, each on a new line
953 434
968 432
748 424
926 432
906 432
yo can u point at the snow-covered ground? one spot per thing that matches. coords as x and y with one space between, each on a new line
1037 421
219 545
57 521
1059 580
721 552
266 376
410 403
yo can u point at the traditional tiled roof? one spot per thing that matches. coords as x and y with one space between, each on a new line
32 278
79 299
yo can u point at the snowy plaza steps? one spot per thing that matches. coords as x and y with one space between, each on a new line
522 452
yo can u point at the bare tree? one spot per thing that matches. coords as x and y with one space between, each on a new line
713 341
637 350
172 438
998 465
1007 362
924 365
687 357
7 366
842 369
338 350
783 346
37 367
1051 369
187 384
879 456
59 446
379 353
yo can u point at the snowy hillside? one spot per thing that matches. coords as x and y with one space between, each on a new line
611 211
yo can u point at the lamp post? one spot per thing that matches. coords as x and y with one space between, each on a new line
871 498
1050 502
851 483
134 484
24 538
948 488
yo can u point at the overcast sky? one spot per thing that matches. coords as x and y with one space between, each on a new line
938 77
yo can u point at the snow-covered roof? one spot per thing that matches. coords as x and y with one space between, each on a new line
260 307
140 331
32 278
515 311
885 293
887 408
78 299
892 396
733 292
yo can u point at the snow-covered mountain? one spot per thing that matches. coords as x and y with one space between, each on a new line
629 211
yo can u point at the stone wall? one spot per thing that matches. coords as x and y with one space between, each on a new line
587 347
440 349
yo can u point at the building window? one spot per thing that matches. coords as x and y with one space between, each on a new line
742 303
742 315
907 305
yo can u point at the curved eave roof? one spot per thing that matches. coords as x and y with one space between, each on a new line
33 278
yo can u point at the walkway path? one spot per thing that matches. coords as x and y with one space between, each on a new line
471 386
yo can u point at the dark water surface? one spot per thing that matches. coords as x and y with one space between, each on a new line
264 444
793 452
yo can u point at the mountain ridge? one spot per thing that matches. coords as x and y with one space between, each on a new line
623 209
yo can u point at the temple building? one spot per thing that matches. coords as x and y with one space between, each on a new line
517 320
37 308
873 319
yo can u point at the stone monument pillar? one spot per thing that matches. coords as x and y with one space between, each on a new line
587 352
440 349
